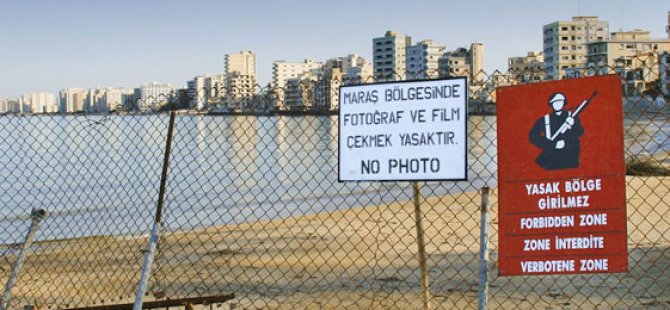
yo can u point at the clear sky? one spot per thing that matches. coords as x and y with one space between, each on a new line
49 45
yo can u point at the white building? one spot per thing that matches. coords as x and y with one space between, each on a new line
529 68
356 70
318 88
9 106
154 94
72 100
565 43
205 90
632 54
389 56
243 63
4 106
423 60
115 98
282 71
40 102
240 79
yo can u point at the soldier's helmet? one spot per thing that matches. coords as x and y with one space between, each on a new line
556 98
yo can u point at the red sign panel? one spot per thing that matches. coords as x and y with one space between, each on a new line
561 176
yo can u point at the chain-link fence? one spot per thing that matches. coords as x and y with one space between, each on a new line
253 207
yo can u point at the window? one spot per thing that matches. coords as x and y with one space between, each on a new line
564 38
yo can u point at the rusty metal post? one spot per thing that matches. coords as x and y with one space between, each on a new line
36 215
484 250
421 244
155 231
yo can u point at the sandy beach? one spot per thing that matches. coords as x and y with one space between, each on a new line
363 258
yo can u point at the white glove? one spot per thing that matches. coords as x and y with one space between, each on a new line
560 144
570 121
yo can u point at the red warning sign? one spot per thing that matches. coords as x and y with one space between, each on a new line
561 173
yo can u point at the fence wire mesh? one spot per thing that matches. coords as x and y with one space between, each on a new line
253 207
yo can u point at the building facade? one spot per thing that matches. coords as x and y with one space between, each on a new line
389 56
205 91
632 54
154 94
318 88
9 106
39 102
463 62
664 72
72 100
243 63
282 71
240 80
565 43
423 60
356 70
527 69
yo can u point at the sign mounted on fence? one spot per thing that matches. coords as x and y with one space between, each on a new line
561 176
403 131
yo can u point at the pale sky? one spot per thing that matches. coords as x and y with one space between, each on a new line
49 45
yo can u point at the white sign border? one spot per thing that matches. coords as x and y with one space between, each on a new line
465 125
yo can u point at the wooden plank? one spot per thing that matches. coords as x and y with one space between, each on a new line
205 300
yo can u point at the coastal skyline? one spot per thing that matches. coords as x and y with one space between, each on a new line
48 46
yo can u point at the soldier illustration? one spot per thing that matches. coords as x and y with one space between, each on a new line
558 133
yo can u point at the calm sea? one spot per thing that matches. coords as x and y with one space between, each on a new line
100 176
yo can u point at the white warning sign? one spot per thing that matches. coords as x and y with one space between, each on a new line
403 131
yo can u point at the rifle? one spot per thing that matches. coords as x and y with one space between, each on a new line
564 126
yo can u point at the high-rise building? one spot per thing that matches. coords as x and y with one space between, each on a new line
423 60
318 88
205 90
529 68
389 56
40 102
243 63
633 54
240 79
565 43
115 98
282 71
463 62
6 106
12 106
356 70
154 94
72 100
299 91
667 26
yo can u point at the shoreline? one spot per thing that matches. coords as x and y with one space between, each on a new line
356 258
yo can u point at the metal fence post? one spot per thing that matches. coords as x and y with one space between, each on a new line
421 244
484 250
155 230
36 216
